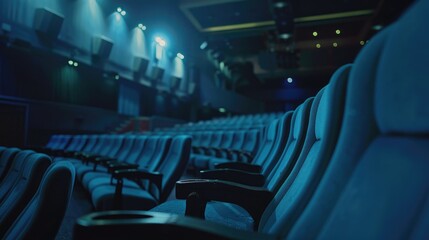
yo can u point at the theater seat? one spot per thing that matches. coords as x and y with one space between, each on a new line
162 181
376 184
6 158
25 185
42 217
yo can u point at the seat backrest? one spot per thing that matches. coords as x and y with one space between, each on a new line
322 134
378 175
267 143
251 141
53 140
116 146
148 151
205 138
91 143
74 142
63 142
162 146
238 139
136 150
279 144
23 190
126 147
216 139
293 147
102 141
108 145
226 139
174 164
42 217
6 159
14 172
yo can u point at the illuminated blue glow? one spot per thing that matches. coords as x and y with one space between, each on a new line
160 41
123 13
181 56
70 62
138 43
142 27
289 80
119 10
203 45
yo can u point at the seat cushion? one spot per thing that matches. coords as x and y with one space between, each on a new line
133 199
225 213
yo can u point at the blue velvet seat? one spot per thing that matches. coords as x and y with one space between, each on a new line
42 216
6 157
31 169
376 184
143 160
162 181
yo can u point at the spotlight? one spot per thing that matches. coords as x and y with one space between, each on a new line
285 36
377 27
279 4
70 62
222 110
181 56
203 45
289 80
335 44
315 34
123 13
318 45
338 31
142 27
119 10
117 77
362 42
160 41
75 64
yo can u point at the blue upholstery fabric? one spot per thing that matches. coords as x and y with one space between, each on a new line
6 158
14 173
43 215
95 179
23 189
171 168
377 185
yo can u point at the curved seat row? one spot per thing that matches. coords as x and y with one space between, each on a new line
34 194
360 171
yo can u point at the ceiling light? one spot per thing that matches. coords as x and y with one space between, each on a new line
338 31
203 45
318 45
119 10
75 64
142 27
285 35
160 41
315 34
279 4
70 62
289 80
362 42
335 44
377 27
181 56
222 110
123 13
117 77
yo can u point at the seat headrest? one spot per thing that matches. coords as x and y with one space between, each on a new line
333 92
402 80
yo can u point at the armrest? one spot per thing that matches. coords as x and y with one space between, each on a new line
120 166
239 166
134 175
253 199
233 175
100 160
137 174
111 225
